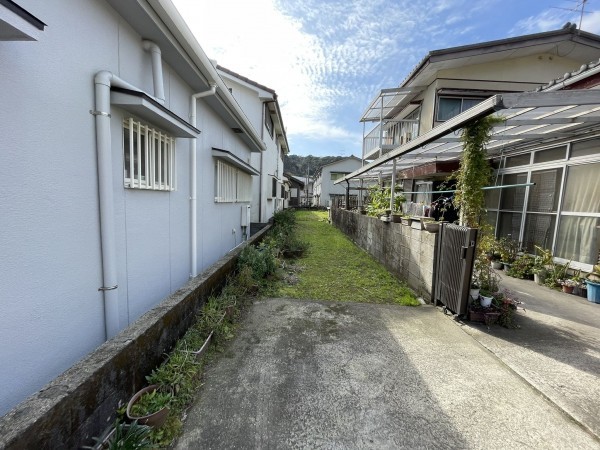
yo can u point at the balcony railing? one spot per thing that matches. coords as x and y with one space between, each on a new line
395 133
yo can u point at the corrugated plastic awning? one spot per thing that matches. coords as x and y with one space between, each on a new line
388 102
530 119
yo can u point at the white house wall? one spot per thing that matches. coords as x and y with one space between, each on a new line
326 186
53 313
517 74
250 98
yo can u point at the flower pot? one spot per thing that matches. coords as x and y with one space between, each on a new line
474 293
485 301
476 316
491 317
496 265
593 291
432 227
156 419
539 278
583 292
568 289
396 218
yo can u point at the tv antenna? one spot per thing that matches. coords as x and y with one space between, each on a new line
580 4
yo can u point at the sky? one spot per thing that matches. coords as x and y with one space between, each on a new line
327 59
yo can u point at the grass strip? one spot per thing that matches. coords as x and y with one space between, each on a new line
334 268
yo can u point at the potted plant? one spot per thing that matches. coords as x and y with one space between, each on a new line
508 251
543 259
474 290
522 267
124 436
593 284
508 303
485 298
430 225
568 285
495 261
149 406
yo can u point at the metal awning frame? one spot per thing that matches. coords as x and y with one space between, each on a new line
531 119
388 101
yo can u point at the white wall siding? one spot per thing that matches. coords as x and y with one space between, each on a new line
50 272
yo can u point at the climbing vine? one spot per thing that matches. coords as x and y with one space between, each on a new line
474 171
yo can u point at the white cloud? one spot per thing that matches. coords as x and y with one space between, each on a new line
591 22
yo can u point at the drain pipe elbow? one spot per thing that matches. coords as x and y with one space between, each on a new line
103 77
157 72
194 182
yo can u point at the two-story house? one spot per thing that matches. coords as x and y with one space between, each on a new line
262 107
325 191
126 164
542 150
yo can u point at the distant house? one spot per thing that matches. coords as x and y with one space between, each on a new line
126 166
306 195
546 147
262 108
324 189
296 187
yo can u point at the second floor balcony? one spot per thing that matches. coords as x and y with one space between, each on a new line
387 136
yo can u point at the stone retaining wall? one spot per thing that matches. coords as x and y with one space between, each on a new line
81 402
408 252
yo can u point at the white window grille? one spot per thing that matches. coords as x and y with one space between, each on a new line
149 157
231 184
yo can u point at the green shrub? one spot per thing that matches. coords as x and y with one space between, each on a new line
522 267
260 259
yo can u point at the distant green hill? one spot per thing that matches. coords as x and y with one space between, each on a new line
300 165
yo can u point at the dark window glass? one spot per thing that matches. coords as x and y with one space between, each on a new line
543 197
513 198
518 160
585 148
552 154
539 230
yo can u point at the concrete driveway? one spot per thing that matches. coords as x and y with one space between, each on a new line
304 374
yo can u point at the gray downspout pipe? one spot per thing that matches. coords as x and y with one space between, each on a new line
157 72
102 84
194 182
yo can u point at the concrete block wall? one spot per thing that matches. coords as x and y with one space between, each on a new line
409 253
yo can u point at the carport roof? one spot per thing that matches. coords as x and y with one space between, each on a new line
530 119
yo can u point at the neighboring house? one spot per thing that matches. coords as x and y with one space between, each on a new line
324 189
306 196
119 183
545 152
296 189
262 107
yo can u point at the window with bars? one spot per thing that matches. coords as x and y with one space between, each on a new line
149 157
231 184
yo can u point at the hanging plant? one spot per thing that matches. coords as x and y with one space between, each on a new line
474 172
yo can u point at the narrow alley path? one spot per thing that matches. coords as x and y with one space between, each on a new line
313 373
304 374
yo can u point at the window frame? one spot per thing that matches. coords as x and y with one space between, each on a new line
232 184
150 155
462 98
269 123
528 169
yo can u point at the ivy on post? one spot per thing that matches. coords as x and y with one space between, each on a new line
474 172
